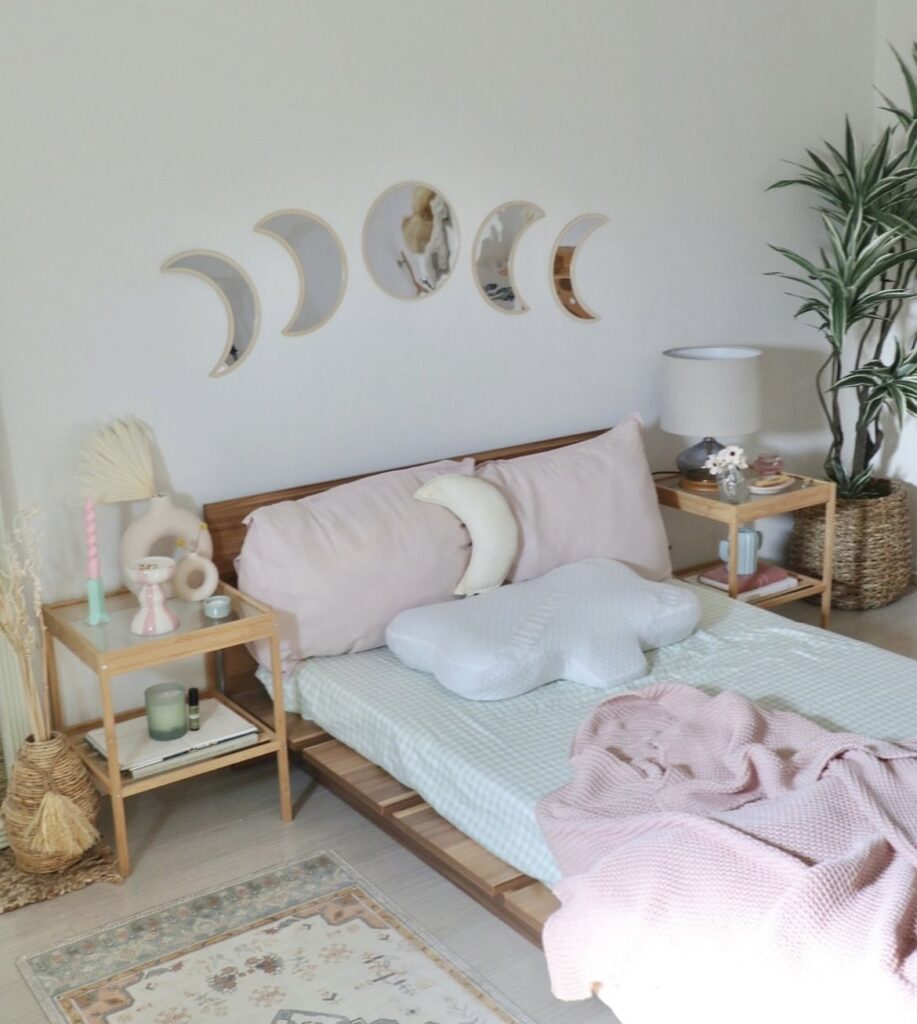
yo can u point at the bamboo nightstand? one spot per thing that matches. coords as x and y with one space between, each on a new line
804 493
112 650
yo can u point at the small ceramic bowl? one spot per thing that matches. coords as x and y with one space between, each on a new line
152 569
217 607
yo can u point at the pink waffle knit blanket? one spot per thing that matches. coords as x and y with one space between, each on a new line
725 864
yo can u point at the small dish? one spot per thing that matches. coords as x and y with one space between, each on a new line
770 484
216 607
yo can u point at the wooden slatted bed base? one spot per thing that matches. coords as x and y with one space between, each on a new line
519 900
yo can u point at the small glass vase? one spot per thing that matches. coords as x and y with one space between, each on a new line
732 485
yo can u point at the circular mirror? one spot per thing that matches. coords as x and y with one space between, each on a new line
320 262
494 248
563 264
410 240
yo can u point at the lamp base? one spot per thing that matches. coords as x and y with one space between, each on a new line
699 480
695 456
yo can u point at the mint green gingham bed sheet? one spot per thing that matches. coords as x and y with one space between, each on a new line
485 765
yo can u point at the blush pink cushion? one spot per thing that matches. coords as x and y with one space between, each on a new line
338 566
594 499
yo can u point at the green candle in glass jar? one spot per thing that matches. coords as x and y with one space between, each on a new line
167 718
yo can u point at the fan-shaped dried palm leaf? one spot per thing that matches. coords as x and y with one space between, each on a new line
117 463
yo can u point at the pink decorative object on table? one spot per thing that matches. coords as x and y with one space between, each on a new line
154 617
92 542
768 464
94 589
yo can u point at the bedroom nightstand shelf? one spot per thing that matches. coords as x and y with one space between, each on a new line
112 650
805 492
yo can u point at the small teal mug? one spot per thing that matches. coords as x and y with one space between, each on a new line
749 544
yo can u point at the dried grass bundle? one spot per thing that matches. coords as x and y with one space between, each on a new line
20 614
117 463
60 828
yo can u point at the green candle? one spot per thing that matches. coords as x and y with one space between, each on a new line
166 716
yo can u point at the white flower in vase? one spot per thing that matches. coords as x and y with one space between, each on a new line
732 456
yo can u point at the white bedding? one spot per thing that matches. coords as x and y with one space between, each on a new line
484 766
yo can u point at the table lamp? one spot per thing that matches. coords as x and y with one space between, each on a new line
707 391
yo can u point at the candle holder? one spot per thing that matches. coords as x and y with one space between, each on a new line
154 617
95 592
166 716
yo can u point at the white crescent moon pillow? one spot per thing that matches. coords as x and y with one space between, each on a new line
490 523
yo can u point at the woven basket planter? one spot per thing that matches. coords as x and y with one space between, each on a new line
49 766
872 548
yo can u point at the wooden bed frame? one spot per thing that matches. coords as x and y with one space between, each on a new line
516 898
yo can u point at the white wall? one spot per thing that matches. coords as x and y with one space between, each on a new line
896 25
133 131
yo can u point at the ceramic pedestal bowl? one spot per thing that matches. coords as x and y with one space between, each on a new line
149 574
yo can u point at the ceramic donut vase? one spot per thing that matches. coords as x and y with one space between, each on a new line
195 567
162 520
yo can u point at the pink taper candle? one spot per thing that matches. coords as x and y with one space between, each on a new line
92 543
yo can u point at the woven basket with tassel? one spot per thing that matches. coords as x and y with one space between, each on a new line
872 548
51 807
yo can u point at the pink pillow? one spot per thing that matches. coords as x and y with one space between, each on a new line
594 499
338 566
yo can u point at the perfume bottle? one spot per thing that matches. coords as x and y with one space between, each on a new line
194 709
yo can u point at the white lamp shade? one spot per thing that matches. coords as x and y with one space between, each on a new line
711 390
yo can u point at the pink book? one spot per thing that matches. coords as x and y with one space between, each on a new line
766 576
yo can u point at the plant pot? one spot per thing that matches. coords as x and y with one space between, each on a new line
40 768
872 548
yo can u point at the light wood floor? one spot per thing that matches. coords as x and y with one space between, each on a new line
893 627
218 827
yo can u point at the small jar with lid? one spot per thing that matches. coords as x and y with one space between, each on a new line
768 464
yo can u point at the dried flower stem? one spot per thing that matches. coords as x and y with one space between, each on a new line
20 615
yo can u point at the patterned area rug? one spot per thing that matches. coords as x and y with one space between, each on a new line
305 943
18 889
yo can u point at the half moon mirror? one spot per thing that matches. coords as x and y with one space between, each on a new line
320 262
410 240
563 264
239 297
494 248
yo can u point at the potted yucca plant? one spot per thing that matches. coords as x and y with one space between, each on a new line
856 290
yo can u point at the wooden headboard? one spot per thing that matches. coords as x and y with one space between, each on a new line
225 518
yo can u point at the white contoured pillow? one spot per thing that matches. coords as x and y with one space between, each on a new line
588 622
490 523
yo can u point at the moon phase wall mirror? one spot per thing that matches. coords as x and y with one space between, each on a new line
563 264
239 297
319 259
411 240
493 252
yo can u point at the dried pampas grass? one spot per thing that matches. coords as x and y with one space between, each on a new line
117 463
21 620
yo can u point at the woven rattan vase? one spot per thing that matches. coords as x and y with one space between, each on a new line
38 768
872 548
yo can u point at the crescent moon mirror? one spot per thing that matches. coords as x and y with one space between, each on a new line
563 264
411 240
493 252
320 262
239 297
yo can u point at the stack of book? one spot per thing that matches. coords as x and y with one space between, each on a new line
766 582
221 731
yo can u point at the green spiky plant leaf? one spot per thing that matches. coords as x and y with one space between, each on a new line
859 283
